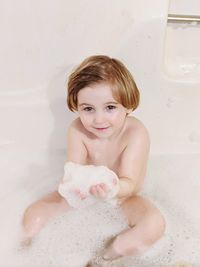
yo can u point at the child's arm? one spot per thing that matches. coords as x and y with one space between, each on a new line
132 166
76 150
133 163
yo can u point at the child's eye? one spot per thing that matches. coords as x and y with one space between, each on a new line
110 107
87 108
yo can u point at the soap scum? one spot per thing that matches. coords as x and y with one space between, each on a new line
103 92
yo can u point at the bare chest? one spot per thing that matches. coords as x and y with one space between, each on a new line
104 154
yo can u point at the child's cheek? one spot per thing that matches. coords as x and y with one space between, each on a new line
115 115
86 121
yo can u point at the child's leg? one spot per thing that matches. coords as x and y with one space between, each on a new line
146 223
40 212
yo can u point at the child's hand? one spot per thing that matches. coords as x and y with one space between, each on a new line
81 195
99 190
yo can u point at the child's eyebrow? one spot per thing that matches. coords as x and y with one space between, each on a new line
107 103
110 103
84 104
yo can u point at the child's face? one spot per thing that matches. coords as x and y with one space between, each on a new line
99 111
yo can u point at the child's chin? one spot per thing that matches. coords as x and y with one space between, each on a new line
103 135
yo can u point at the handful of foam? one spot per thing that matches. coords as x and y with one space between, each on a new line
82 177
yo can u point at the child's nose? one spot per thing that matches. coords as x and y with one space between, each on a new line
99 118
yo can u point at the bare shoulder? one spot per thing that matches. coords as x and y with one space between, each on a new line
137 132
76 150
76 128
75 125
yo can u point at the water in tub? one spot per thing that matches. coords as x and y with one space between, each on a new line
72 239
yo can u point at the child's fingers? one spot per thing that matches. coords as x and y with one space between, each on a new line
82 196
93 191
101 191
79 194
104 187
98 190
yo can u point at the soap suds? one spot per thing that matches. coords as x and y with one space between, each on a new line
82 177
172 183
74 238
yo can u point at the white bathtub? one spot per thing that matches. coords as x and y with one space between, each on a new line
39 48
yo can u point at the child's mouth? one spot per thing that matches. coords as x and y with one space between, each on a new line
101 128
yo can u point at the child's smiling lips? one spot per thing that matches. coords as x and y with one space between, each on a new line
101 128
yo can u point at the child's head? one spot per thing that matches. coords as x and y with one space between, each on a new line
103 69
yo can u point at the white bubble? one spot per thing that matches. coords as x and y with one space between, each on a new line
172 183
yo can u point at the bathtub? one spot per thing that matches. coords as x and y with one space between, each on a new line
36 59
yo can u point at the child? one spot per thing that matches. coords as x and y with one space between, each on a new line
103 92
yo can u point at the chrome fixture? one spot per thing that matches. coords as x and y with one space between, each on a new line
183 18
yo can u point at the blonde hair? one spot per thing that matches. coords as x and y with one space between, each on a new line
100 68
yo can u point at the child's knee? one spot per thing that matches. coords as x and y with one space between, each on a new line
136 241
159 226
32 220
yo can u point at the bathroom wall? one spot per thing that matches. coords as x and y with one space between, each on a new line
184 7
182 56
41 42
182 75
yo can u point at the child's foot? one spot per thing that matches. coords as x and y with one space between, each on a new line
26 242
98 263
112 252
